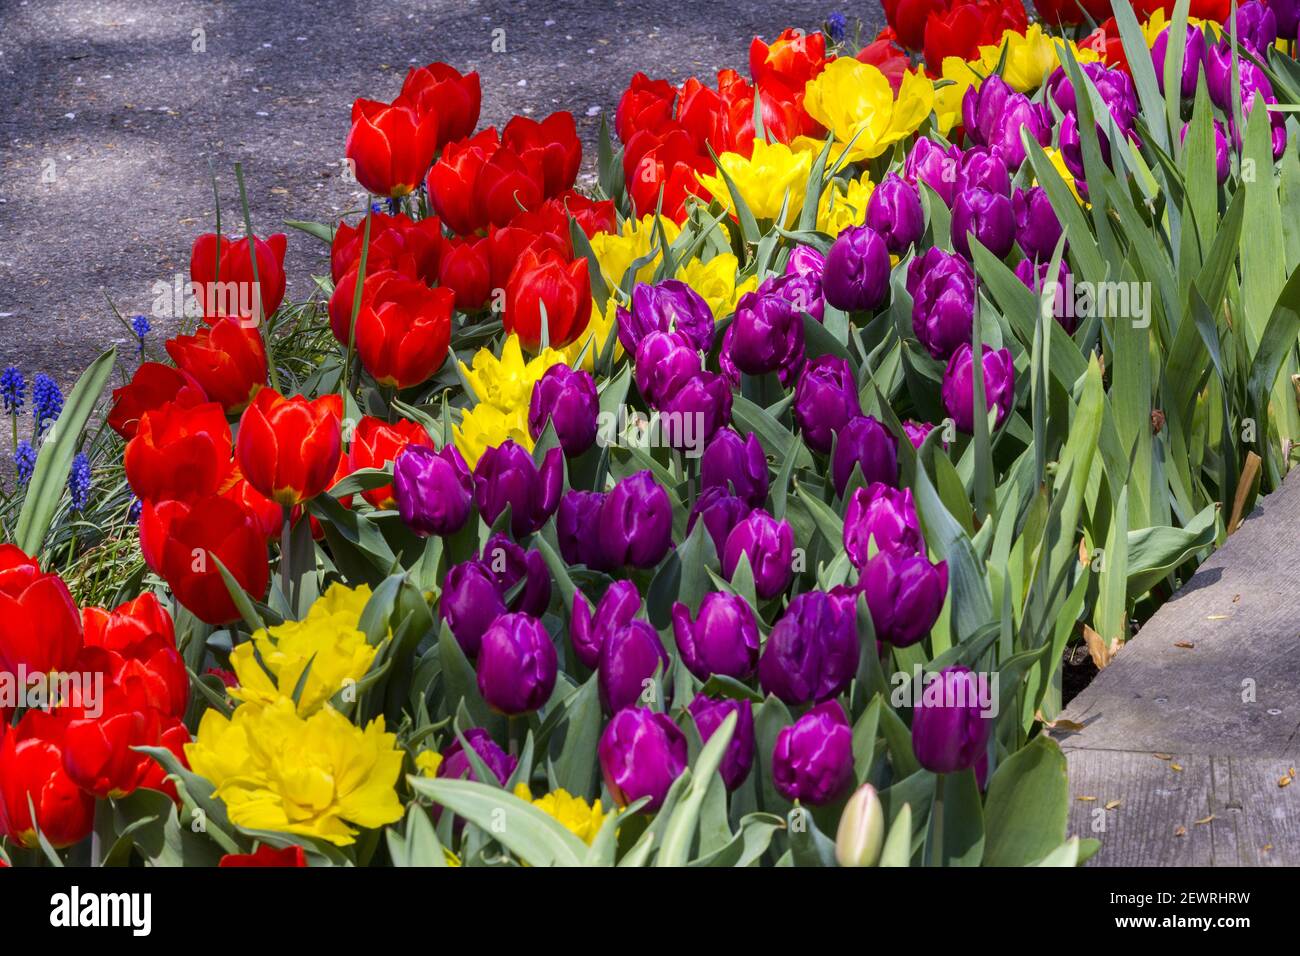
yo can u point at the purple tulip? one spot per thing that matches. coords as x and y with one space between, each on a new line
866 443
636 522
696 411
805 261
894 212
934 165
1218 77
470 603
905 593
994 114
507 476
517 665
769 546
433 489
1220 150
812 653
456 766
1036 278
982 168
616 610
671 305
568 398
720 511
886 515
857 271
1115 87
1193 54
1072 151
739 756
508 564
802 291
723 638
942 286
825 399
916 431
641 753
1286 15
1037 228
952 732
813 758
988 216
578 514
958 389
664 361
1256 27
737 463
629 661
767 333
982 108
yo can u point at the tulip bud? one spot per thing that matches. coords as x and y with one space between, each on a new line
517 665
958 389
904 593
988 216
669 306
506 475
894 212
884 515
544 287
812 653
720 512
698 409
617 609
390 146
36 792
739 756
289 448
857 270
982 168
723 638
802 291
766 333
641 753
433 489
934 165
631 660
636 522
568 399
768 544
456 765
916 432
470 603
825 400
942 286
508 563
739 464
1193 54
1221 167
664 362
578 514
861 834
864 442
806 261
1037 228
950 729
812 761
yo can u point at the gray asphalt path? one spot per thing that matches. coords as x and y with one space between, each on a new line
110 112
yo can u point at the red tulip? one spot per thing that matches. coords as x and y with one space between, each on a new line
664 163
40 629
545 280
134 645
907 19
965 27
701 114
390 145
35 791
267 855
453 180
396 242
267 514
228 360
98 753
550 149
508 185
179 540
466 269
506 246
591 215
795 57
288 448
221 270
403 332
375 443
646 104
782 108
453 99
179 452
152 386
888 57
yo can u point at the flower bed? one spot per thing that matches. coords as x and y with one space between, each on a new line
675 520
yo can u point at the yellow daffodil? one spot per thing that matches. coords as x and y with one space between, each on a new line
617 251
597 332
327 639
856 103
319 776
715 281
504 387
947 99
764 180
581 819
842 206
1030 57
485 426
428 762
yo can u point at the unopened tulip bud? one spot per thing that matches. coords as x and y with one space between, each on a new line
862 829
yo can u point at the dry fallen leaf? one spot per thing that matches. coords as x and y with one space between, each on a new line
1266 848
1176 767
1163 756
1284 782
1113 805
1101 652
1180 831
1236 598
1217 617
1086 799
1187 644
1205 820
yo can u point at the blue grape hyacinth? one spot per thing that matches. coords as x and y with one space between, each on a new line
13 389
47 402
79 481
24 461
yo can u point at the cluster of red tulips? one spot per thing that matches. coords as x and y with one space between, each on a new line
507 199
118 682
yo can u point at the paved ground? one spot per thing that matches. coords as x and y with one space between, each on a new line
109 118
1189 734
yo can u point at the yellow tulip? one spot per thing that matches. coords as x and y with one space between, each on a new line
715 281
843 206
772 176
597 333
617 251
947 99
581 819
856 103
1030 57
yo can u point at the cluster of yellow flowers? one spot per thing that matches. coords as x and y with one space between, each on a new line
504 387
580 818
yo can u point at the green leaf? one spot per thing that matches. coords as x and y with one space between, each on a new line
676 845
1027 806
